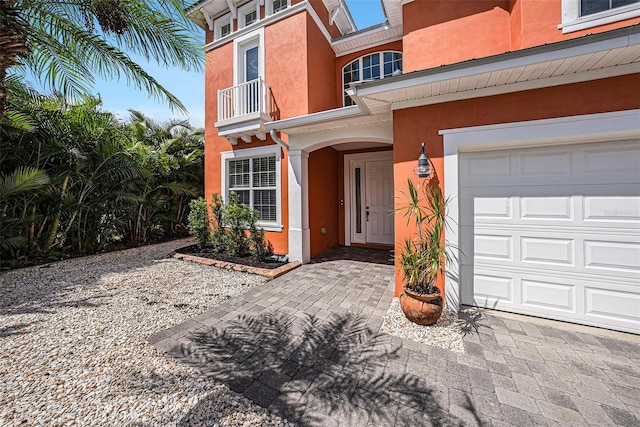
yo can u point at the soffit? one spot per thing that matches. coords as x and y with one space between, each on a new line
513 71
393 12
299 127
369 37
341 15
212 7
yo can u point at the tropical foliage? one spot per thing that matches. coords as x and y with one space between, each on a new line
75 180
231 229
423 257
66 44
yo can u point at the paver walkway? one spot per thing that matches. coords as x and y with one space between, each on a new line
307 345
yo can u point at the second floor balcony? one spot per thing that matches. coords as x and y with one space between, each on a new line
243 110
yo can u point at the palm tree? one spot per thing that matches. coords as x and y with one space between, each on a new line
65 43
172 153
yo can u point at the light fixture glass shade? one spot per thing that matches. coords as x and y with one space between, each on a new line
424 166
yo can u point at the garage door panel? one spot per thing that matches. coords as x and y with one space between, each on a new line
487 167
542 250
572 299
587 164
611 160
611 209
605 255
549 295
605 305
554 232
493 208
556 164
615 257
493 247
489 288
547 208
594 211
493 288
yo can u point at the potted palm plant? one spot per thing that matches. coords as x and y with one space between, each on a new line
423 257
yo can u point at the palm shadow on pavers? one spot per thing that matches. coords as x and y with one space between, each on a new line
317 372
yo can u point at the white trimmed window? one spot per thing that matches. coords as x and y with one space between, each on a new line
248 14
583 14
373 66
275 6
222 26
254 175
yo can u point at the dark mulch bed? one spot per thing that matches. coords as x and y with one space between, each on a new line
249 261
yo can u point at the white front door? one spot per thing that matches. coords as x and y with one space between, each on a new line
371 199
379 202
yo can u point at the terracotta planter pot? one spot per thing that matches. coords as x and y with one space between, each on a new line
423 309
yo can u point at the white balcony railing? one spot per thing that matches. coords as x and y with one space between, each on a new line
250 98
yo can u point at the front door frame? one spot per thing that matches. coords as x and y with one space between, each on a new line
349 160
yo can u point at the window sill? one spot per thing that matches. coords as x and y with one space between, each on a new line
601 18
270 226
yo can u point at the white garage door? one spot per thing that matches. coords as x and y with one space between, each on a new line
554 232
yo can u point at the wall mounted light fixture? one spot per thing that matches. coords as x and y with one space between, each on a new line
424 169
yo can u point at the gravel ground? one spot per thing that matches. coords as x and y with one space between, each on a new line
73 347
445 333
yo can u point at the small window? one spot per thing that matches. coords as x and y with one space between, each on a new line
588 7
370 67
248 14
225 30
279 5
584 14
275 6
250 18
222 26
254 181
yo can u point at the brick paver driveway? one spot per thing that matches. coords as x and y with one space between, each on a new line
307 345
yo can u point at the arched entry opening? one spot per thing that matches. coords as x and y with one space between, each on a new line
350 196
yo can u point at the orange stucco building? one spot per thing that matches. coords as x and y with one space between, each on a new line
529 111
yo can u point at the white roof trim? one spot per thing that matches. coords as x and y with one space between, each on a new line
468 68
316 118
393 33
369 37
262 23
395 90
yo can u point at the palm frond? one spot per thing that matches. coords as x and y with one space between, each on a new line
22 180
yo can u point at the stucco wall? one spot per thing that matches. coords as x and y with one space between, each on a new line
421 124
438 32
323 199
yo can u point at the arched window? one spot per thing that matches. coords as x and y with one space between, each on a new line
370 67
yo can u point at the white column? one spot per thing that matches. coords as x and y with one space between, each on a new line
299 233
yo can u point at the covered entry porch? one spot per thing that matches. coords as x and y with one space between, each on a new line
340 180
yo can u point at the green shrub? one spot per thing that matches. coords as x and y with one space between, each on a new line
260 246
230 228
237 217
217 224
198 221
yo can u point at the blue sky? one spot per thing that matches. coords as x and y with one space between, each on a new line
118 97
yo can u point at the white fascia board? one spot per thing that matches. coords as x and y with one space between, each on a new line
292 10
366 46
315 118
495 63
395 35
260 23
193 9
601 73
347 14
